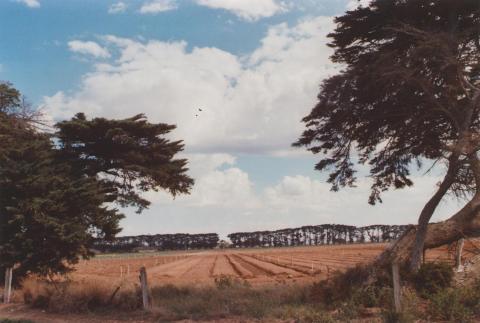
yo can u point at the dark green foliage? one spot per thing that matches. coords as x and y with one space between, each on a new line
57 193
405 92
132 153
49 215
432 277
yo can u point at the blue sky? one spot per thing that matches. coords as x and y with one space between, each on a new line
254 66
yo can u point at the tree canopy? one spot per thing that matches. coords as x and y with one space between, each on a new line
58 193
408 92
131 155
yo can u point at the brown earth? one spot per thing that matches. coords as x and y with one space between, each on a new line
291 265
256 266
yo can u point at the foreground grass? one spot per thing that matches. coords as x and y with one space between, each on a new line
428 296
232 298
228 298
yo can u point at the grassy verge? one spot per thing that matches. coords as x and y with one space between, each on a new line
428 296
232 298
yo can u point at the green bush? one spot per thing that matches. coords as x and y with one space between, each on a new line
432 277
340 287
449 304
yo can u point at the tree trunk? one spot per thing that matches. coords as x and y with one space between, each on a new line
426 215
465 222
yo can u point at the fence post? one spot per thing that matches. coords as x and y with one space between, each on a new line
7 292
145 291
396 288
458 253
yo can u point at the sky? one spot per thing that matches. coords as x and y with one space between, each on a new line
254 68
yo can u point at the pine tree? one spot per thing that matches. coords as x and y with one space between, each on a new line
408 92
58 193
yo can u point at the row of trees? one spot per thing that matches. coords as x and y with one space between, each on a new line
178 241
314 235
325 234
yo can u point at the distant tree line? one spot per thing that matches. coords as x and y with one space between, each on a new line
178 241
325 234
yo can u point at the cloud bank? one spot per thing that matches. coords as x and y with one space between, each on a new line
250 104
250 10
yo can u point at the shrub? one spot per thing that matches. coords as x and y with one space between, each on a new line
341 286
432 277
348 311
367 296
410 307
449 304
224 281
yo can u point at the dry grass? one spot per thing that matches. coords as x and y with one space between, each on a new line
74 297
229 298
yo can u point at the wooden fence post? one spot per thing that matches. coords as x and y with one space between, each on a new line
458 253
145 291
396 288
7 292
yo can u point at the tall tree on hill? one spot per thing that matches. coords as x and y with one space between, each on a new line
409 92
58 193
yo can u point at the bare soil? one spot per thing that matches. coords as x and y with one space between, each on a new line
257 266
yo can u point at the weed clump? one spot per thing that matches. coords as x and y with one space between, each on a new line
68 297
341 286
432 277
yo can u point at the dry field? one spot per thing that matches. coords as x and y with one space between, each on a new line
256 266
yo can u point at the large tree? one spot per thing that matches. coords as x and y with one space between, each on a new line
58 193
408 93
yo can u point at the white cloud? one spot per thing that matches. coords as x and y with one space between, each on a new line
156 6
118 7
247 9
218 183
88 48
224 200
354 4
253 103
30 3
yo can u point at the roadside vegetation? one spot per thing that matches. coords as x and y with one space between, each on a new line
429 295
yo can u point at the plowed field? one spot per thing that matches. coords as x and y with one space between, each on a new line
256 266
